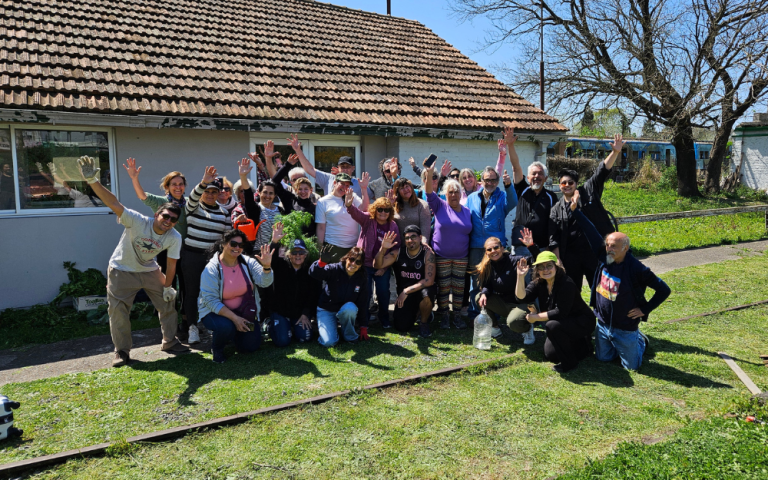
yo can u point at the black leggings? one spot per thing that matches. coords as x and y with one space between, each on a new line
569 340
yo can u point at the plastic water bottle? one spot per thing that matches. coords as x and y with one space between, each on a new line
482 336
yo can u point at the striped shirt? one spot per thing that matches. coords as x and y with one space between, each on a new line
205 224
264 236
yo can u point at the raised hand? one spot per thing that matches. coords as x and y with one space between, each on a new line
575 200
618 143
244 167
210 175
277 232
133 170
52 168
502 147
446 168
349 197
294 143
506 179
526 236
509 136
390 196
412 162
88 169
365 179
265 259
522 267
389 240
269 149
293 159
256 160
393 167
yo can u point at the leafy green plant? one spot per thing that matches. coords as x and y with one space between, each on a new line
81 284
293 223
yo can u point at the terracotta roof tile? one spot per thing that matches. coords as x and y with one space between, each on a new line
203 57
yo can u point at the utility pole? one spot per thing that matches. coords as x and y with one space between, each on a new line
541 59
389 7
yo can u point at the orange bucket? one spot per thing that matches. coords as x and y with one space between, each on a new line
249 228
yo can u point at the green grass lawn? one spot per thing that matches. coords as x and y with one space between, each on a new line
656 237
518 420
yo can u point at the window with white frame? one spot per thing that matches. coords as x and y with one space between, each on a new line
39 171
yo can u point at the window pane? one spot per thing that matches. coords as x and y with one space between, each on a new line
7 189
48 172
328 157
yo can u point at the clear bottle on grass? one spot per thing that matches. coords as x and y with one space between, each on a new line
482 337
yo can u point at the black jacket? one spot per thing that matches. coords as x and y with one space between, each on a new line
290 201
339 288
503 278
533 213
590 195
640 277
294 292
565 302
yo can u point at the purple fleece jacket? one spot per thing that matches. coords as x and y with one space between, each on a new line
371 233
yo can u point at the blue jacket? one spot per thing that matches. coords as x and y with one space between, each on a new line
492 225
212 284
640 276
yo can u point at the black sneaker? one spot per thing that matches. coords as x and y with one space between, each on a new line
218 356
424 331
445 322
458 322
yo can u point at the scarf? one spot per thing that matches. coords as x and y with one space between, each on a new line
180 203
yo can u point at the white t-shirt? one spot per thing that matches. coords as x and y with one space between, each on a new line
326 180
340 228
139 245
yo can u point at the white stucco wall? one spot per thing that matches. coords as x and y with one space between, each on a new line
753 146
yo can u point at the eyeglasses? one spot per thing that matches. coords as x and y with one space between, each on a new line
567 183
383 210
173 219
235 244
491 181
298 253
493 248
357 261
411 237
545 266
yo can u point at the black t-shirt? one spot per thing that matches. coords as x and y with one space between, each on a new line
533 213
409 271
614 297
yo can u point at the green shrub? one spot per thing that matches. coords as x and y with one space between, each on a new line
81 284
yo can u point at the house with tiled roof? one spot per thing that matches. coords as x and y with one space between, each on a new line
182 84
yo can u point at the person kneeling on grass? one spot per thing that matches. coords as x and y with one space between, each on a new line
133 267
497 277
570 322
415 272
228 302
618 294
343 297
294 292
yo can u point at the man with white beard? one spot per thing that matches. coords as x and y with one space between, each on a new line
618 294
534 203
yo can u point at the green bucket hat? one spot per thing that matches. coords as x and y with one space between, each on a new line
545 257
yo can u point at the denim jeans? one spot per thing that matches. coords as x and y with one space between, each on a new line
280 330
610 343
327 321
475 255
382 290
224 331
521 250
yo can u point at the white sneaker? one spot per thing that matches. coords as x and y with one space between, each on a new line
495 332
194 335
528 337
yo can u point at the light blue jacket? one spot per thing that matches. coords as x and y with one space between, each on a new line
492 225
212 284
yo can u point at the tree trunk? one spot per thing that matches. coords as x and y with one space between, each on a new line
716 157
686 161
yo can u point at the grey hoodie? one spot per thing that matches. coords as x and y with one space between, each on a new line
378 188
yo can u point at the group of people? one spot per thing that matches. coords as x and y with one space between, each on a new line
443 240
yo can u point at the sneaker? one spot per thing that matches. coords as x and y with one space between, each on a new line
465 312
496 332
424 331
121 358
176 348
218 356
445 322
194 335
385 322
529 338
459 323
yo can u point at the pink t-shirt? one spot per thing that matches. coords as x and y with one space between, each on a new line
234 286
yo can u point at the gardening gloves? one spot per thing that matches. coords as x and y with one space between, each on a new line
169 294
88 169
363 333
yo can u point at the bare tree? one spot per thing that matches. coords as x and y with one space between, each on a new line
696 63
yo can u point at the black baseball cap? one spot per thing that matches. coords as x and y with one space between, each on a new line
347 160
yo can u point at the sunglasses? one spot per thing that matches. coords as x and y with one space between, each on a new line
411 238
567 183
235 244
435 177
383 210
545 266
298 253
493 248
456 176
358 261
226 189
165 216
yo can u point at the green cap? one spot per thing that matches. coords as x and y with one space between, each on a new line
343 177
545 257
